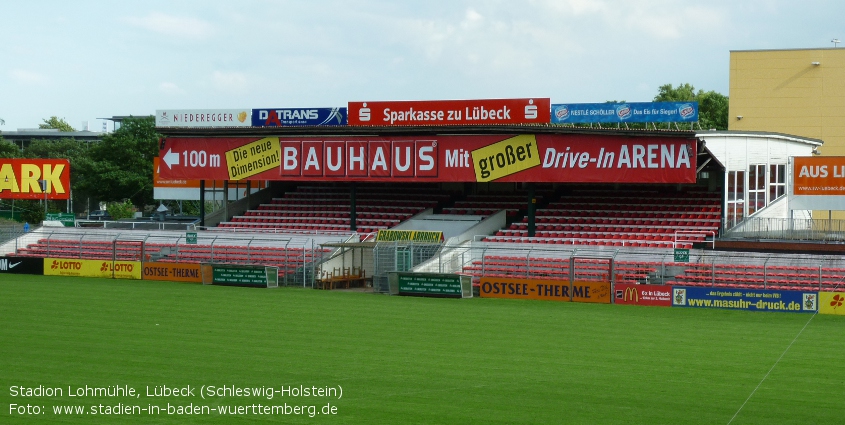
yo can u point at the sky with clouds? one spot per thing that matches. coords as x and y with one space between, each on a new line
84 60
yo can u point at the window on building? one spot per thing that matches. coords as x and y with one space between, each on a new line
777 181
736 198
756 187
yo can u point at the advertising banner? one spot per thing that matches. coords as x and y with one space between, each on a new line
832 303
440 285
818 176
561 158
585 113
630 293
183 189
252 276
301 117
745 299
543 289
21 265
67 219
196 118
450 112
173 272
409 235
92 268
21 178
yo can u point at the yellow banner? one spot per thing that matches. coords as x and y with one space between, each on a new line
545 289
832 303
504 158
253 158
409 235
92 268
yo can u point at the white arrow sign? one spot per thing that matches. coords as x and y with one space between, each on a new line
171 158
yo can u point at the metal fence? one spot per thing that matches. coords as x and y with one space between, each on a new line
650 266
789 229
8 233
296 257
399 256
136 225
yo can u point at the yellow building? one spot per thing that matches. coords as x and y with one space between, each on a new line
794 91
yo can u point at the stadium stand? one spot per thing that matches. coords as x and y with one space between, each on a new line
315 208
639 218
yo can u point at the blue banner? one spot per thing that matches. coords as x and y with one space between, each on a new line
580 113
296 117
745 299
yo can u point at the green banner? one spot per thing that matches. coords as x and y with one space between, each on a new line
430 285
681 255
191 238
67 219
240 276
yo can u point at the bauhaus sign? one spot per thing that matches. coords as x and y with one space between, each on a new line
434 158
21 178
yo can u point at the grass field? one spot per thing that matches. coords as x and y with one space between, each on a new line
402 360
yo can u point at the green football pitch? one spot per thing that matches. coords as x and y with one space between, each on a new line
85 351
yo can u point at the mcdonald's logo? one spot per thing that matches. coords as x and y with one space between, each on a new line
631 294
643 294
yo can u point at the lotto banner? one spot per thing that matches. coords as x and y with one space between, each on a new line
630 293
746 299
832 303
542 289
560 158
21 178
174 272
92 268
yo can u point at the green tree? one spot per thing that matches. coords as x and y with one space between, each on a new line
8 149
118 210
121 165
712 106
32 211
67 148
57 123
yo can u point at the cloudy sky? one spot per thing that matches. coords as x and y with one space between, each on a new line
87 59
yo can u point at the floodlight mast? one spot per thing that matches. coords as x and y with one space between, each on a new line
44 187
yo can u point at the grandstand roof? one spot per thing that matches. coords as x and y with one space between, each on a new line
738 133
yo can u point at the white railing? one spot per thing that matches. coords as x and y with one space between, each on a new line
789 229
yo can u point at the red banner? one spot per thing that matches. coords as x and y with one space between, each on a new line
629 293
19 178
476 158
819 175
451 112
